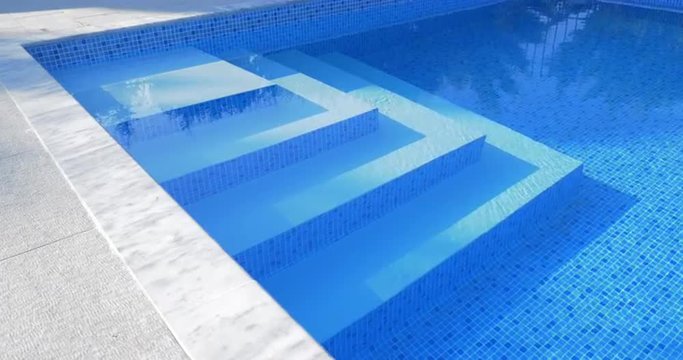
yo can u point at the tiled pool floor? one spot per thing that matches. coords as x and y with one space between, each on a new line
597 83
605 279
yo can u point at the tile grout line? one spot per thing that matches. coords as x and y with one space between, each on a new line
98 226
48 244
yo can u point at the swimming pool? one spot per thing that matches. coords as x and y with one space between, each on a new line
597 83
391 223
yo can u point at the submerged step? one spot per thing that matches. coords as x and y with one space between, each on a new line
554 164
424 274
138 88
224 110
248 157
241 217
203 125
345 282
333 209
172 144
175 89
329 211
373 175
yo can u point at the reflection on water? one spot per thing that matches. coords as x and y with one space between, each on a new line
649 48
601 83
231 110
498 59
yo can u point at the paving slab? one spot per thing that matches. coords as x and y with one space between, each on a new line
17 137
37 205
64 291
74 299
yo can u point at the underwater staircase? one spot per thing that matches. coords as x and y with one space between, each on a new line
376 278
355 198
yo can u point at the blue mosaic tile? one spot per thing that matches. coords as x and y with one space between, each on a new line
598 280
214 179
599 83
128 132
259 30
653 4
293 245
485 253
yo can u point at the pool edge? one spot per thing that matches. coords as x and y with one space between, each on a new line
267 332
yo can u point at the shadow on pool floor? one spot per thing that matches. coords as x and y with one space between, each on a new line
471 317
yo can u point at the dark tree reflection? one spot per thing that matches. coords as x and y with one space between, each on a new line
482 47
647 72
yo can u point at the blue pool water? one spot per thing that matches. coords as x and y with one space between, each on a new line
393 190
603 84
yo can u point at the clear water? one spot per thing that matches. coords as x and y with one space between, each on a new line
348 275
244 216
601 83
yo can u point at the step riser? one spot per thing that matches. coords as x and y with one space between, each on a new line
484 253
138 130
292 246
220 177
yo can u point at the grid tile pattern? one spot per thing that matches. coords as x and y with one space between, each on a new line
603 280
654 4
293 245
482 255
259 30
128 132
211 180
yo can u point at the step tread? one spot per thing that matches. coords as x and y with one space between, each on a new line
382 268
498 135
317 69
258 64
131 89
240 218
223 138
414 115
552 165
313 106
175 89
324 286
441 137
76 79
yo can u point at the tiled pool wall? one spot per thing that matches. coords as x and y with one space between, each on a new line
216 178
485 253
258 30
297 23
149 127
654 4
293 245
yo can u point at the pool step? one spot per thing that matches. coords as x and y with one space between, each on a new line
179 142
404 271
179 88
242 114
323 213
246 158
244 216
141 87
202 125
347 281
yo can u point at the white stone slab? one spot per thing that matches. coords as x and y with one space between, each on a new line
177 264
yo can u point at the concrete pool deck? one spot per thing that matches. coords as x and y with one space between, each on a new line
76 281
60 280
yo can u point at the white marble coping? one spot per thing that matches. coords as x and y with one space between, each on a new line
214 308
